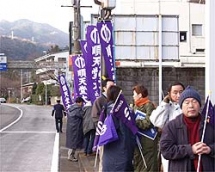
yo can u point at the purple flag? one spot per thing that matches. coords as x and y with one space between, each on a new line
211 112
88 65
122 111
80 80
99 129
65 92
83 44
105 30
94 60
108 133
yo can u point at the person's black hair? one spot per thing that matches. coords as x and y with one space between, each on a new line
79 100
174 84
58 101
104 81
113 92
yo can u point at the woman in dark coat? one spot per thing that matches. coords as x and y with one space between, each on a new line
74 129
118 155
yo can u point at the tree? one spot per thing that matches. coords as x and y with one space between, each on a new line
34 88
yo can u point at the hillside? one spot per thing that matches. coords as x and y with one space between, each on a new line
25 40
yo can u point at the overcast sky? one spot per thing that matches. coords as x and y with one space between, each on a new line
44 11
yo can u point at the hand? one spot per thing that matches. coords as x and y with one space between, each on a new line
94 148
166 99
200 148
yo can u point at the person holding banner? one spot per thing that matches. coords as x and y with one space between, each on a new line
97 109
118 153
145 159
101 100
187 141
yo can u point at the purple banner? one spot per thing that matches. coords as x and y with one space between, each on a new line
90 91
122 111
105 30
109 133
80 79
210 113
99 129
94 60
83 44
65 92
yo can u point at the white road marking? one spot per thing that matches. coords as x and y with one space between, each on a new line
20 116
28 132
55 156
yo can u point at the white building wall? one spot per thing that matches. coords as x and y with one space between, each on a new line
189 13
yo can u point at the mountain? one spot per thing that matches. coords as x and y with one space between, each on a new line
25 40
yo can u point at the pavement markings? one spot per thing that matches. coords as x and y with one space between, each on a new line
12 123
28 132
55 156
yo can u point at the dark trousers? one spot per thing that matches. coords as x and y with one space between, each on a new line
57 122
88 141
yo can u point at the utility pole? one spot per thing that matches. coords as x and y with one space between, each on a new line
76 27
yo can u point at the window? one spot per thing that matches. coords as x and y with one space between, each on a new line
196 29
183 36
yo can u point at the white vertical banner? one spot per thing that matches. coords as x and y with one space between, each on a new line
210 50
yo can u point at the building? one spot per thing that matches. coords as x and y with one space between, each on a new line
50 65
147 32
157 42
173 28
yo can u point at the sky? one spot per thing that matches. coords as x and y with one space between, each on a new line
44 11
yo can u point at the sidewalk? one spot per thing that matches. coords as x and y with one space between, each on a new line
84 164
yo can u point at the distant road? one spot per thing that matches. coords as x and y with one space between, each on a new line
27 145
8 114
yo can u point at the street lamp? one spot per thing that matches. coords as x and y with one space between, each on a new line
107 6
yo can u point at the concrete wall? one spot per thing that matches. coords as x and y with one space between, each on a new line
126 78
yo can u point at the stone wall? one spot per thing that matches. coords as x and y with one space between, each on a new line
126 78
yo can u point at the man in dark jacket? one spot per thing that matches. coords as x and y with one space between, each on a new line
58 112
89 129
182 141
74 128
97 108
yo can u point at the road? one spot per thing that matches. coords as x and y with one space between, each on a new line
27 144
